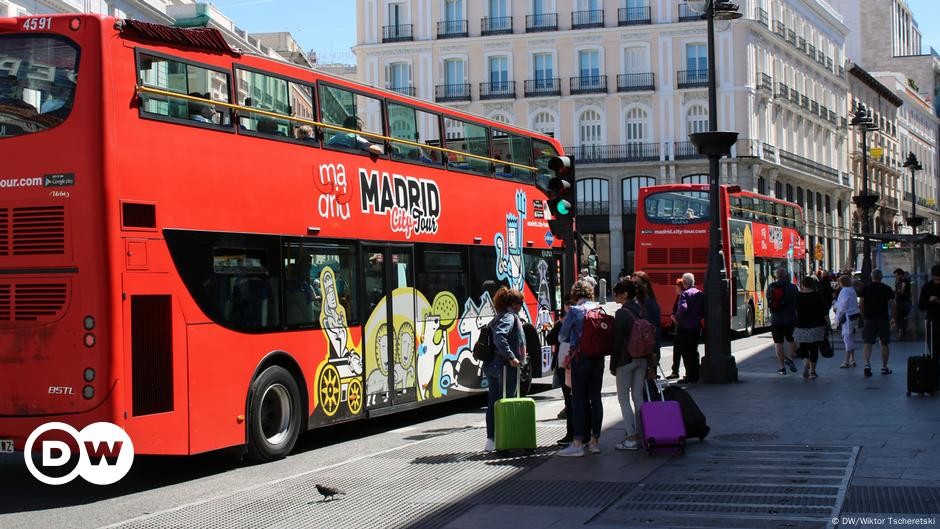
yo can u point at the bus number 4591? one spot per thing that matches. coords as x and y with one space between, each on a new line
33 24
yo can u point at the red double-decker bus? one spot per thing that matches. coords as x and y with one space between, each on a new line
762 234
213 249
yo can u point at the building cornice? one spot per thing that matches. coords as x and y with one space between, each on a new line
874 84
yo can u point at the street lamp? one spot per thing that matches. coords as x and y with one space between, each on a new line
718 365
863 120
913 221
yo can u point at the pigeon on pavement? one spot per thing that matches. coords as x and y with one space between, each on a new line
329 492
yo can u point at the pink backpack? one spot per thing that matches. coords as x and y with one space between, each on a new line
642 340
597 336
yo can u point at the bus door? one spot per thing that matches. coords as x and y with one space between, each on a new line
390 335
155 365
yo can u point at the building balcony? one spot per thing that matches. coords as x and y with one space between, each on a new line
687 15
833 118
541 22
806 165
804 102
635 82
843 123
404 90
921 201
594 207
498 90
631 152
794 97
811 51
398 33
841 71
791 37
634 16
801 44
587 19
765 83
452 29
814 107
444 93
763 18
692 78
780 30
593 84
496 26
829 64
542 87
684 150
823 112
783 91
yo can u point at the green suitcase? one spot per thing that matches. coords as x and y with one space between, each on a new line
514 420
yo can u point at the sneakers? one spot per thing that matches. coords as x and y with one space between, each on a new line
672 376
885 371
571 451
594 449
853 364
490 446
812 375
790 365
782 371
867 371
627 444
844 365
564 441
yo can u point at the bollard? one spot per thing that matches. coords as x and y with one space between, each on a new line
602 285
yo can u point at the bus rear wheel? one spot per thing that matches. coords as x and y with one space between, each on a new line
749 322
274 415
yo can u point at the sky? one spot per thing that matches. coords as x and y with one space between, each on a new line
329 26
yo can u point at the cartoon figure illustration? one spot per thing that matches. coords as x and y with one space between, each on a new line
434 343
509 263
543 319
338 377
460 370
377 381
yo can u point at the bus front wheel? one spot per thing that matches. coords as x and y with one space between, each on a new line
749 323
274 415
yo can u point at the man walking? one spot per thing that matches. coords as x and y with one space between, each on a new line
781 299
929 302
876 300
902 300
688 320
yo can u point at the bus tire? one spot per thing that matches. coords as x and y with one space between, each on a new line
749 321
525 378
274 415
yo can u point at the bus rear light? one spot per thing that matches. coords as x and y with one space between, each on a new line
75 23
89 323
89 374
89 340
313 230
88 392
530 243
477 240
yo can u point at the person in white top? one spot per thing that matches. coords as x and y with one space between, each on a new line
847 314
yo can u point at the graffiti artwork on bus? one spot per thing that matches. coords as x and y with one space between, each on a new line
338 377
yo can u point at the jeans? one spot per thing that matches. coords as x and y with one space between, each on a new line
587 375
569 415
494 377
630 380
687 345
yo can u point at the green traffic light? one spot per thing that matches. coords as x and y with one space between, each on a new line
564 207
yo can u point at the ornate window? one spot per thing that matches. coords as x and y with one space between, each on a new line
589 128
593 196
544 122
696 119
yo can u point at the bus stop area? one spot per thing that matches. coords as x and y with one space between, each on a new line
783 452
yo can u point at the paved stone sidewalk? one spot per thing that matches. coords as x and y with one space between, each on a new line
783 452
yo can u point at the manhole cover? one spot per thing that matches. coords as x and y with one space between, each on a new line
746 437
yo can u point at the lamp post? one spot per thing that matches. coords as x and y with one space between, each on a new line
863 120
718 365
914 221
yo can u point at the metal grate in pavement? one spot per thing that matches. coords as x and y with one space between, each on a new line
747 437
555 493
729 487
892 500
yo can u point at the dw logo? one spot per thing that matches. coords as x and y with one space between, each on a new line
105 453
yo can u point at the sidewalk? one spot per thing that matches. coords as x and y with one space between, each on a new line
783 452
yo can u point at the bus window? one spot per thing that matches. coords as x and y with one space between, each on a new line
467 138
320 285
37 83
542 152
677 207
416 126
441 270
186 79
272 94
791 221
350 111
512 148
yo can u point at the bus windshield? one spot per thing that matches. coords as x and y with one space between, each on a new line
677 207
37 83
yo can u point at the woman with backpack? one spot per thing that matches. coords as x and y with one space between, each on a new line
628 365
587 374
509 345
646 298
811 322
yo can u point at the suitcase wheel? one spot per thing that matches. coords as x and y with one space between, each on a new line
649 445
682 445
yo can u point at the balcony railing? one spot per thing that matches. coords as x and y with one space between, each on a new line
687 15
823 112
801 44
780 29
635 82
843 123
541 22
814 107
684 150
452 29
498 90
833 118
791 37
592 84
398 33
691 78
841 71
542 87
587 19
811 51
631 152
452 92
794 97
594 207
632 16
829 63
405 90
770 152
783 91
765 83
762 17
921 201
496 26
806 165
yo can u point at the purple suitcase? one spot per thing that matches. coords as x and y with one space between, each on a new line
663 427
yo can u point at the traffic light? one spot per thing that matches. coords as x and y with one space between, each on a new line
561 191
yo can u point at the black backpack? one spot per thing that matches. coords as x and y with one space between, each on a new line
484 350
